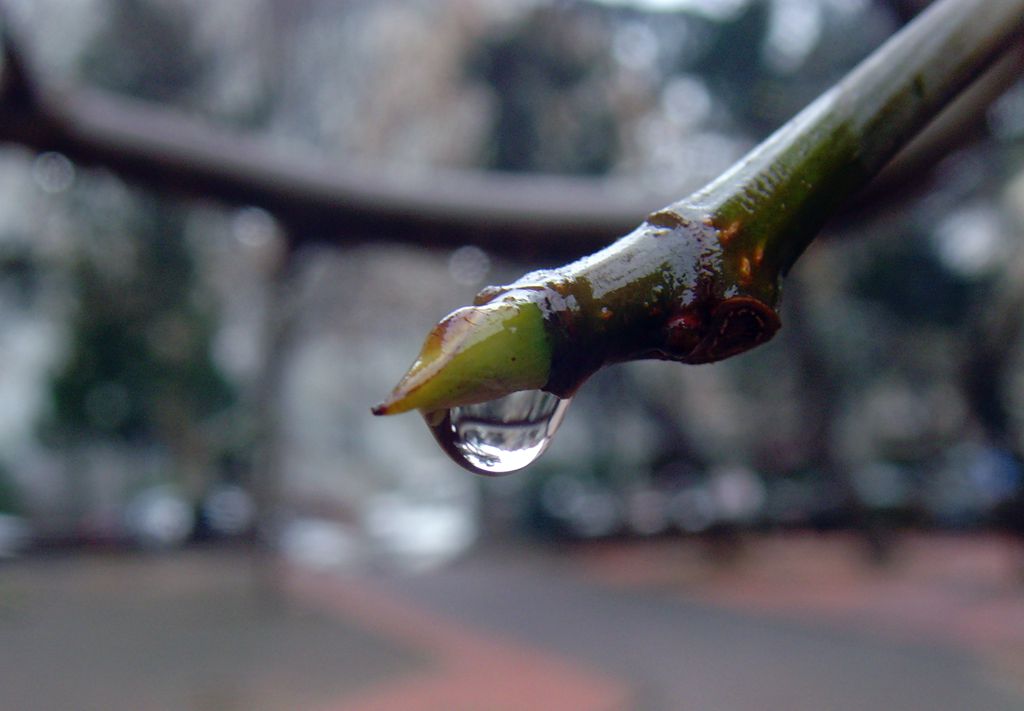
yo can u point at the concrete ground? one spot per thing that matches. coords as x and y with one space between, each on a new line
794 623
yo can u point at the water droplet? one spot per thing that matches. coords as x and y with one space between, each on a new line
499 436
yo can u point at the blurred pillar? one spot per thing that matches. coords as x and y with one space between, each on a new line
992 350
822 394
268 462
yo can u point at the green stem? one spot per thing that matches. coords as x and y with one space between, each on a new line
700 279
773 202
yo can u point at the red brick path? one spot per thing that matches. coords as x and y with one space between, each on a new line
470 671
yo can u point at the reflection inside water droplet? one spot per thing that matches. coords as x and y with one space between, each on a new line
499 436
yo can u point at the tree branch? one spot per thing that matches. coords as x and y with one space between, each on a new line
700 280
321 198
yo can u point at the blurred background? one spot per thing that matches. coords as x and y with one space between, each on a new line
197 510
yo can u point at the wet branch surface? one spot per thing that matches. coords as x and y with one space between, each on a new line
700 280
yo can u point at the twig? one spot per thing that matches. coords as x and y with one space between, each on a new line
700 280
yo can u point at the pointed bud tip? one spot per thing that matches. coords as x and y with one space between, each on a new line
475 354
395 404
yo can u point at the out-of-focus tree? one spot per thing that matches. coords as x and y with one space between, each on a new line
548 73
139 370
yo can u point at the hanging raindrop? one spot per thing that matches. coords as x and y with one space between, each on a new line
499 436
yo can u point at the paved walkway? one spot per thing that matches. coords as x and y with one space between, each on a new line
797 623
684 633
960 592
187 632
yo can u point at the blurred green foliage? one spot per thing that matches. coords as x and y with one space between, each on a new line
139 368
